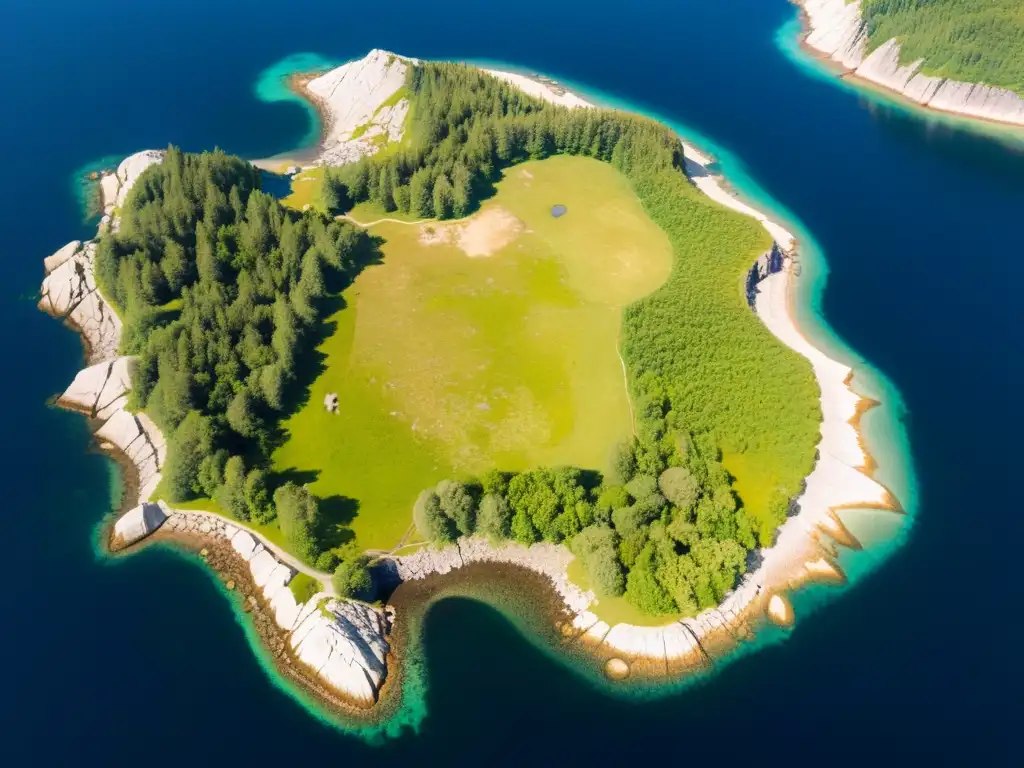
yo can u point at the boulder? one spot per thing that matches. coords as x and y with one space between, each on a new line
244 544
50 263
261 566
138 523
345 644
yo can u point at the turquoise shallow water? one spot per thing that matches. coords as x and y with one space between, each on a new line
272 87
916 220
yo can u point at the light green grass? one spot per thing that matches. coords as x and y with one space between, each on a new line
754 480
617 610
367 212
306 187
393 99
304 586
448 365
359 130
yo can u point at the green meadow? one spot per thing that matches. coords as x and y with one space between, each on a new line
486 342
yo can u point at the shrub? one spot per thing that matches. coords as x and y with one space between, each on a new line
353 579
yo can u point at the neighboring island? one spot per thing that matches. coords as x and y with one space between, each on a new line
960 56
509 328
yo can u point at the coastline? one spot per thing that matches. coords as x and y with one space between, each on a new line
623 651
840 478
833 34
297 83
342 645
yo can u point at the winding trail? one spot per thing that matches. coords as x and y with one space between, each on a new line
368 224
625 384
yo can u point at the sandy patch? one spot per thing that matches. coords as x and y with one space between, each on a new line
483 234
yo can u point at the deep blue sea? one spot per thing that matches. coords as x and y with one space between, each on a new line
140 660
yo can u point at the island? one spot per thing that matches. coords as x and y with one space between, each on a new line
964 57
495 333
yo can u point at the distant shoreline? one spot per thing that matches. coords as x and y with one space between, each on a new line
841 71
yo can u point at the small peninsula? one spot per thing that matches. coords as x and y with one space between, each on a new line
494 328
963 57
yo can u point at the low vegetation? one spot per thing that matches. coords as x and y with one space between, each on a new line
304 586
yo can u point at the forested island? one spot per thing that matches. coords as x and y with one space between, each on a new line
238 318
961 56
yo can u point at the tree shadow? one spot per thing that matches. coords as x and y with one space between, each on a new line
297 476
336 516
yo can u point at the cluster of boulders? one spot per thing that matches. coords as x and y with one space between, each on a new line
838 29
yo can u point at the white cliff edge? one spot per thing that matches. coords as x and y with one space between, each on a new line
836 28
342 642
359 100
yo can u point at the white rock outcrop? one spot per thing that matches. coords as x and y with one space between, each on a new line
355 99
114 187
69 292
344 643
138 523
837 29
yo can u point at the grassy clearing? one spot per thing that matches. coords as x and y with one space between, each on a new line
368 212
616 610
754 479
304 586
448 365
306 188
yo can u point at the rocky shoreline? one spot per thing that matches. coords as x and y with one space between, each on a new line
805 544
348 654
836 30
343 644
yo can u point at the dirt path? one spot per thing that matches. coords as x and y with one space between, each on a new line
368 224
282 555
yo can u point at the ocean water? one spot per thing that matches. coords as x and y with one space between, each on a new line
911 232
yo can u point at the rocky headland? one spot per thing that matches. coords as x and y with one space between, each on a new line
339 644
836 28
341 650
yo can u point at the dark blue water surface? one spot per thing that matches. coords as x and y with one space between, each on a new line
140 660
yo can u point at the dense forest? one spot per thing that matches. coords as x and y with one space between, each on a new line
667 530
222 291
977 41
